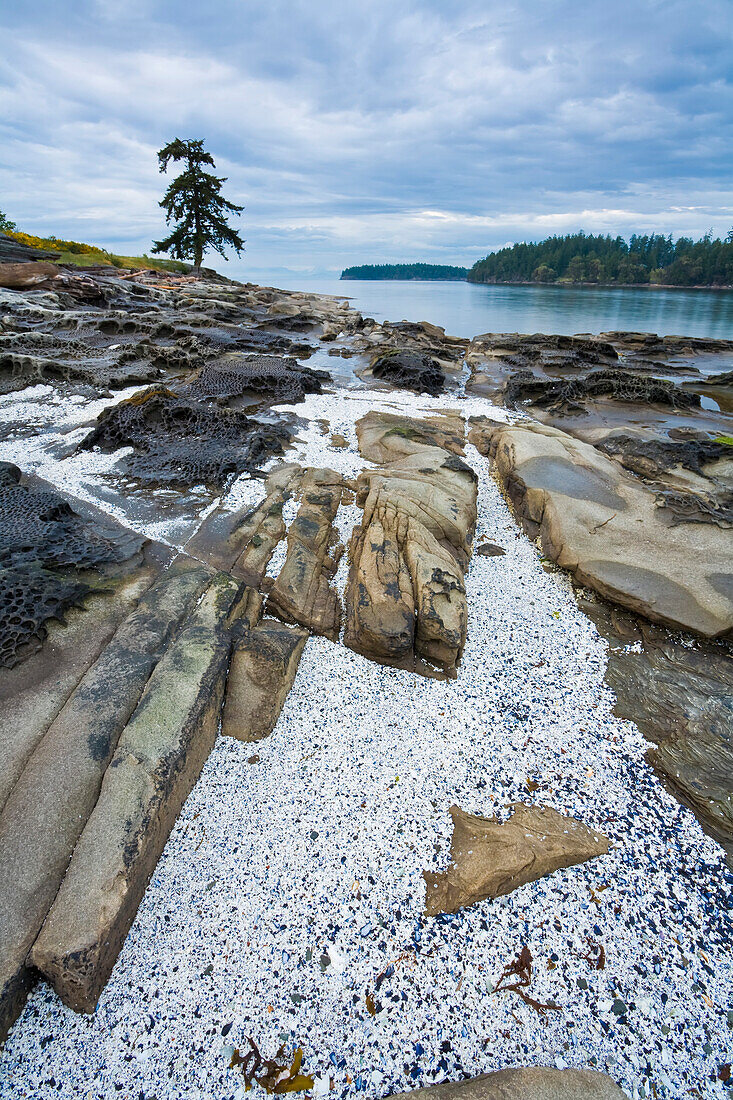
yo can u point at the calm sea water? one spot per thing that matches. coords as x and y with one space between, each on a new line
465 309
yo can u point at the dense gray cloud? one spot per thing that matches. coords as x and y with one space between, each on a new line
372 130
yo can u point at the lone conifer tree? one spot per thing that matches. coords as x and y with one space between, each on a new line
195 202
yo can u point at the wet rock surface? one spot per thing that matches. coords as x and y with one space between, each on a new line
679 692
180 442
47 555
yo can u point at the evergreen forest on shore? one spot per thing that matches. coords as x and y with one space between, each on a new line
584 258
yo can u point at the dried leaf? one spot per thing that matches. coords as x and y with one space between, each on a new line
371 1007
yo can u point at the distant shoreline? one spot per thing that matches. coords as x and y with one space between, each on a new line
536 282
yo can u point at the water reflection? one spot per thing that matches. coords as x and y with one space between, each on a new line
465 309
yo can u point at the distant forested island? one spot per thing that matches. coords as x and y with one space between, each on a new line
583 258
404 271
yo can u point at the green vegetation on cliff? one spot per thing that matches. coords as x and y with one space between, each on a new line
90 255
404 271
583 258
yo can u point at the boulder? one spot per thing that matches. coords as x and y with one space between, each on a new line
19 276
490 550
490 858
410 370
14 251
263 667
609 530
524 1083
158 759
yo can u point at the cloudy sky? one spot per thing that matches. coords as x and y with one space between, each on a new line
356 131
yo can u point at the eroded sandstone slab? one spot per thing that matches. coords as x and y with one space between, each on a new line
608 529
405 599
159 756
55 793
263 667
302 592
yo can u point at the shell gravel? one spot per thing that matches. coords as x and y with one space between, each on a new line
291 888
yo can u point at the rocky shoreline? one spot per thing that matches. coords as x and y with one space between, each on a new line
236 514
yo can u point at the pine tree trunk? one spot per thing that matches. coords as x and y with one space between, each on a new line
198 250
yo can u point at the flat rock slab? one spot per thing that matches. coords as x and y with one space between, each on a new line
607 528
53 797
261 673
490 858
525 1083
384 437
33 692
241 543
159 757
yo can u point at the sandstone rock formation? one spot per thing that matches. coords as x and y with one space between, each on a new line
302 592
679 692
52 798
406 601
569 394
490 858
159 756
263 667
411 370
608 529
18 276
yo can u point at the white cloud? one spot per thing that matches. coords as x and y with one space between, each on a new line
364 131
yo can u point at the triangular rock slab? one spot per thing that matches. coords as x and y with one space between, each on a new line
490 858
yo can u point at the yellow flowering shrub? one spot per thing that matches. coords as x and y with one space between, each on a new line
54 243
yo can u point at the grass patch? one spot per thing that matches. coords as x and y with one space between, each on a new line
89 255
